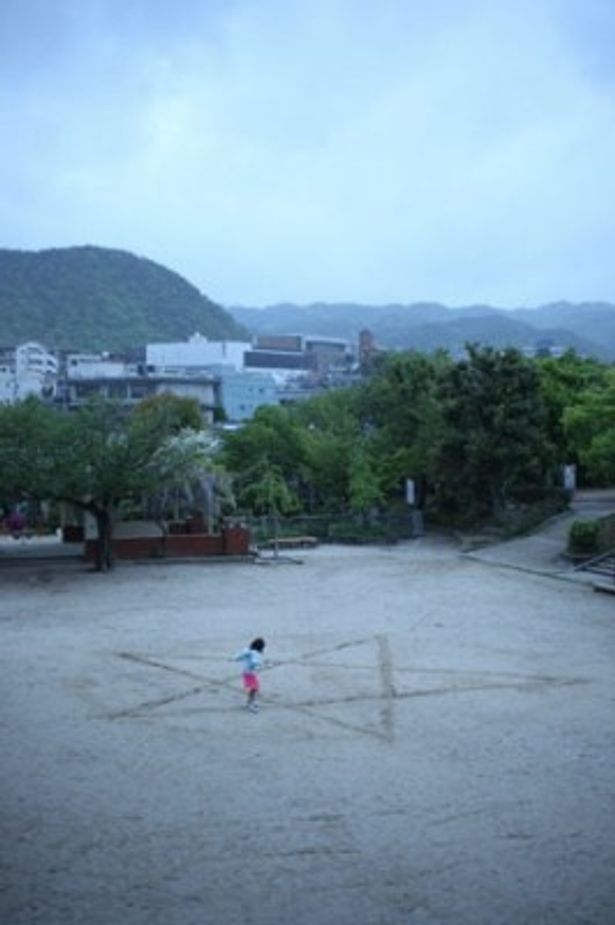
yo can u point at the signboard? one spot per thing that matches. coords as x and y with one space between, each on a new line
410 491
570 477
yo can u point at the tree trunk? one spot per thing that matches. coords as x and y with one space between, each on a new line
498 501
104 549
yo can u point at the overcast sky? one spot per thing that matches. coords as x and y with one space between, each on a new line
459 151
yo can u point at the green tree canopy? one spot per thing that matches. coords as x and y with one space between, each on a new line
589 426
562 380
331 431
494 449
94 458
402 413
271 441
364 487
167 413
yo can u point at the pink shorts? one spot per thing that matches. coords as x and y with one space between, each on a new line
250 681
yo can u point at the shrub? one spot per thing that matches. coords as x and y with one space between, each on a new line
606 533
583 537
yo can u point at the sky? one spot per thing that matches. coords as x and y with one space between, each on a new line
460 151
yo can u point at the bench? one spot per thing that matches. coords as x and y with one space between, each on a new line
290 542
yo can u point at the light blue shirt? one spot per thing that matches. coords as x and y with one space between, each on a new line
251 660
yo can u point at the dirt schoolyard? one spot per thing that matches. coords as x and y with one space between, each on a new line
436 744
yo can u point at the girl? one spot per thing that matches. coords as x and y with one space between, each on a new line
251 663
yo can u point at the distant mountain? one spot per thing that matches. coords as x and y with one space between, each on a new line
94 298
588 328
589 320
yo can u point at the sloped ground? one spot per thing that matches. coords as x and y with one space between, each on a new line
436 744
542 551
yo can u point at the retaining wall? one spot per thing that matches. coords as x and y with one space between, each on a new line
234 541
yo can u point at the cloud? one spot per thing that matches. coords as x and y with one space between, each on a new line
320 150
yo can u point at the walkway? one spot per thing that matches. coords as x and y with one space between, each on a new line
37 547
542 552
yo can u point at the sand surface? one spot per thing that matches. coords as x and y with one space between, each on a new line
436 744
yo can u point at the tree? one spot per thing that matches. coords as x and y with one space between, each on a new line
331 431
267 493
186 473
494 448
94 458
562 380
401 411
26 449
271 435
168 414
589 426
364 489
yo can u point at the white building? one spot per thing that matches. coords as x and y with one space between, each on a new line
28 370
134 386
196 353
95 365
32 359
241 392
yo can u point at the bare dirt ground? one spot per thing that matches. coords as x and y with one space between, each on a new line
436 744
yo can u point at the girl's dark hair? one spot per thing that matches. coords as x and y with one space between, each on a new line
258 644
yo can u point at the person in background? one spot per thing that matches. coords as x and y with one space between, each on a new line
16 522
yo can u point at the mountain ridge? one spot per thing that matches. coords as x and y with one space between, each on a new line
95 298
588 328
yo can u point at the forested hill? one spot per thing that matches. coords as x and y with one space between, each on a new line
94 298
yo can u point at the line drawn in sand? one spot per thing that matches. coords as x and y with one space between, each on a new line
373 680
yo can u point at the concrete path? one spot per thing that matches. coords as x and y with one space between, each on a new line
543 551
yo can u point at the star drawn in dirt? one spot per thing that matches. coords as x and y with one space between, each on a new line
324 684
